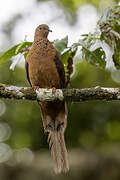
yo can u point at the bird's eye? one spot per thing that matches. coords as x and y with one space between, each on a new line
40 28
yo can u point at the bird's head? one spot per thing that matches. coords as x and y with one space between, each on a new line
42 31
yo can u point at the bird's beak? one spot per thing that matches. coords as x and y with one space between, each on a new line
49 30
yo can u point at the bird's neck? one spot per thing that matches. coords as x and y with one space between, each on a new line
39 40
39 37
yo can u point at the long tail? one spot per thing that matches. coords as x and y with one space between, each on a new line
58 150
54 116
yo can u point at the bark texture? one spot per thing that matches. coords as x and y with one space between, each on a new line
74 95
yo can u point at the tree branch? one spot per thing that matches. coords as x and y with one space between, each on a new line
74 95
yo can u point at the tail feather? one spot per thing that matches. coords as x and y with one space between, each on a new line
54 116
64 154
58 151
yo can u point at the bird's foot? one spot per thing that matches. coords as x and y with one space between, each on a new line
35 87
53 90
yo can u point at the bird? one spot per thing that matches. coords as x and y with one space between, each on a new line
44 69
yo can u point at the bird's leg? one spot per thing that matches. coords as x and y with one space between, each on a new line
53 90
35 87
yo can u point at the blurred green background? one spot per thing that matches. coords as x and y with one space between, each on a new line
93 125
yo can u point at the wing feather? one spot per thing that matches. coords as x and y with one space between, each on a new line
60 69
27 72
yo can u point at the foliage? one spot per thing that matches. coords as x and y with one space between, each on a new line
102 48
15 50
94 54
61 44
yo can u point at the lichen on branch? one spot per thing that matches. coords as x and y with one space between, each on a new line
74 95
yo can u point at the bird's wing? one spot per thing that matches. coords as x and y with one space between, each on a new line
60 69
27 72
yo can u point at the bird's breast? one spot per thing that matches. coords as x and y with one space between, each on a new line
42 68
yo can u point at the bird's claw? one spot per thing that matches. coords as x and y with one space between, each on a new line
35 87
53 90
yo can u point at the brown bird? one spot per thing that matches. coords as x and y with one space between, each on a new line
44 69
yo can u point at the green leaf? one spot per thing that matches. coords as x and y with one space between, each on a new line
92 50
65 57
110 31
106 15
60 45
8 54
96 57
25 54
14 51
23 45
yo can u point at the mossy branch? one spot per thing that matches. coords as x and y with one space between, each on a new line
74 95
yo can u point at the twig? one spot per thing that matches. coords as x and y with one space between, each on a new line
25 49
